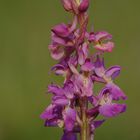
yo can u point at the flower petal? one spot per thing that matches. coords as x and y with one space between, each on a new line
105 47
60 100
69 119
69 89
88 66
61 30
82 54
69 136
56 90
59 69
56 52
116 92
113 72
67 5
52 123
98 123
102 35
48 113
99 66
112 110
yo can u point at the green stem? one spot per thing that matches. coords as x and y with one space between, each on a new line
85 126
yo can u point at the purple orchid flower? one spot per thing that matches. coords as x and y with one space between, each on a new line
101 41
70 46
100 38
107 108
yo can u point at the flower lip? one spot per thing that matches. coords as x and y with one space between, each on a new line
112 110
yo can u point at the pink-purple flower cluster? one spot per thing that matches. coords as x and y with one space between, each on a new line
75 106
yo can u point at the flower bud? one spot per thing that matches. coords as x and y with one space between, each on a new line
67 5
84 6
75 6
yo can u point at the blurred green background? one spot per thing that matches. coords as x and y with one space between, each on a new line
25 63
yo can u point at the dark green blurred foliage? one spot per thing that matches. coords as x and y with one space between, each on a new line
25 64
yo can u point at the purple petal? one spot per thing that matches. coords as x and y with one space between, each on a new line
99 66
69 89
59 69
84 6
93 111
116 92
104 91
112 110
74 24
55 90
105 47
82 54
58 40
98 123
67 5
48 113
91 37
102 35
88 66
69 136
73 69
93 100
97 79
88 88
61 30
56 52
51 123
113 72
69 119
60 100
